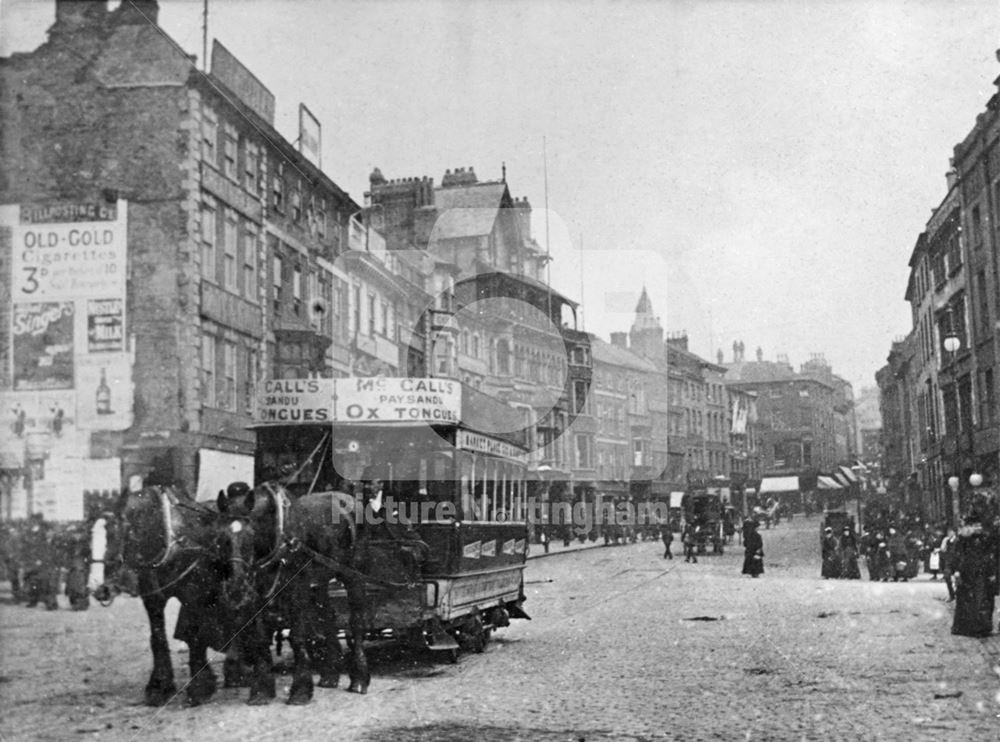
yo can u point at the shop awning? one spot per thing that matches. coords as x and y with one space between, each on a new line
851 476
839 478
779 484
676 499
828 483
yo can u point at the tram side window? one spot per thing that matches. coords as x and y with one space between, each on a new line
439 484
489 489
518 495
467 481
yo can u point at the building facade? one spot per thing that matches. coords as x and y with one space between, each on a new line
952 290
236 258
804 418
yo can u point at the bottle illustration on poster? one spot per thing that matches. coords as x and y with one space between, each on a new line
104 395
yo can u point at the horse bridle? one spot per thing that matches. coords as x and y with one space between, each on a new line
281 504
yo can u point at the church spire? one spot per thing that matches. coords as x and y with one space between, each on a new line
644 317
646 335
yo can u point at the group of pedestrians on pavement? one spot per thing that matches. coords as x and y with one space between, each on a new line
39 557
967 558
840 554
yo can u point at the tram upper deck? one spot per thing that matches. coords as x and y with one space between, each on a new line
441 449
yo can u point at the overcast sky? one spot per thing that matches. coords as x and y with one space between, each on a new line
764 168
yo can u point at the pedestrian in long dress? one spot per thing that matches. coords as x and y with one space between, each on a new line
831 555
974 565
849 555
753 559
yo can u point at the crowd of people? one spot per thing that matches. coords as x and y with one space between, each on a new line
41 559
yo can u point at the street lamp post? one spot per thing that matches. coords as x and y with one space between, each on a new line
953 485
952 343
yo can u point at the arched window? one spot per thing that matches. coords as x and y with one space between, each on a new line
475 345
465 342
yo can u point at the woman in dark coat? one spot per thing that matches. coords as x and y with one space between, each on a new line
974 565
831 555
753 560
849 555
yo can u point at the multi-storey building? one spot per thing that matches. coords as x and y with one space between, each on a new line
619 395
845 426
796 413
188 248
496 323
976 161
870 429
952 290
900 444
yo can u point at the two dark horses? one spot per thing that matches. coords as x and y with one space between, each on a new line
250 566
298 549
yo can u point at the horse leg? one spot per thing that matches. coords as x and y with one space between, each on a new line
328 654
201 685
301 692
358 665
235 668
160 688
256 647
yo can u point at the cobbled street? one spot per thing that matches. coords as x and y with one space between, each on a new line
624 645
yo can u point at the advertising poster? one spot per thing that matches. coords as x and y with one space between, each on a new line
68 328
43 345
50 416
68 251
104 391
105 325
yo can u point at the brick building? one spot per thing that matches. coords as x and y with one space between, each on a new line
228 240
797 412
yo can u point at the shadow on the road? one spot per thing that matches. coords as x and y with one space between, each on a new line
465 732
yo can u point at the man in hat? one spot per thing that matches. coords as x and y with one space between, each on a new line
667 535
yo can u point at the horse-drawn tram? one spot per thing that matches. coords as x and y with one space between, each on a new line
429 474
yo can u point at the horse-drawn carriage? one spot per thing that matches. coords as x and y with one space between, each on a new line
705 510
383 509
441 500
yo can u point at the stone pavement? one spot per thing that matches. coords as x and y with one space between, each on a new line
623 645
537 551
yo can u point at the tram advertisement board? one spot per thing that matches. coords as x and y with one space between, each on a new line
359 400
284 401
379 399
